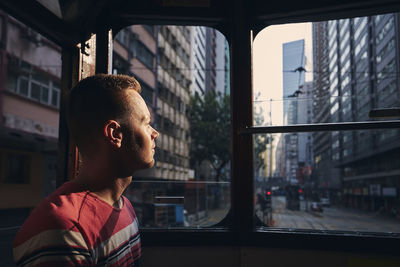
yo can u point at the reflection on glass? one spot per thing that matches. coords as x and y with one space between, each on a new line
184 75
172 203
31 64
334 180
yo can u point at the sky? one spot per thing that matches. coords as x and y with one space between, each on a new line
267 65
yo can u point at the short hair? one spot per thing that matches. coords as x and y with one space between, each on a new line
94 101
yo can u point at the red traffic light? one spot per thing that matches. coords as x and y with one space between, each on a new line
300 191
268 193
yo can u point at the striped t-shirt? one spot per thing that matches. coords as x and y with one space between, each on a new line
73 227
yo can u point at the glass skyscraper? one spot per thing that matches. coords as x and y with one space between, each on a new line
293 72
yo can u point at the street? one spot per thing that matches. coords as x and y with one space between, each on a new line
331 218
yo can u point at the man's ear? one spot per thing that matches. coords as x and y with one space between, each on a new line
113 133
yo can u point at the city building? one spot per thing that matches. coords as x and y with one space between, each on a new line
198 55
210 61
159 58
29 116
324 174
304 140
222 64
293 67
363 55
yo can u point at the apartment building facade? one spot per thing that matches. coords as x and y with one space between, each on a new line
358 58
29 106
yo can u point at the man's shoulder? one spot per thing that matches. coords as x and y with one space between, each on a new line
52 230
58 211
64 204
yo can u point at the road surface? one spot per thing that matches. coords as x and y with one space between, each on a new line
330 219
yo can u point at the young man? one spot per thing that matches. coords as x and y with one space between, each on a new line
87 221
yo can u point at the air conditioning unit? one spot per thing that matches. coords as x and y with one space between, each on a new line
31 36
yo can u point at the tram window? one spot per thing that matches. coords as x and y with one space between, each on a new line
184 74
31 66
338 189
327 72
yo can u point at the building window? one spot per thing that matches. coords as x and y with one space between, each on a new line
385 51
147 92
384 31
360 28
150 29
122 38
334 108
35 87
142 53
16 168
23 86
386 96
55 96
387 72
361 44
346 81
120 66
378 19
345 68
344 54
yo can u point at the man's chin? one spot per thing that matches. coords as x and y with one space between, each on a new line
151 164
145 165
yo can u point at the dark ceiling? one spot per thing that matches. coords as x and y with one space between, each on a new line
72 21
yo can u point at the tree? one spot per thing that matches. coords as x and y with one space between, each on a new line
260 141
210 131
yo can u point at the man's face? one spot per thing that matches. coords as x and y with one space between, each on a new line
138 141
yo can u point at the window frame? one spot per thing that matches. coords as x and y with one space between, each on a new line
239 227
240 230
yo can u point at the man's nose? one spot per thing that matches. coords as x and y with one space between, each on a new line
155 134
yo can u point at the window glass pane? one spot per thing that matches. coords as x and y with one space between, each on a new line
327 72
11 83
45 95
55 97
35 91
312 76
144 54
28 129
343 180
23 86
147 92
190 183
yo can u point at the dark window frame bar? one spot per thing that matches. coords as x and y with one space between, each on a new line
318 127
274 238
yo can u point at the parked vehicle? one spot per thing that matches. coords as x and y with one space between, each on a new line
316 206
325 202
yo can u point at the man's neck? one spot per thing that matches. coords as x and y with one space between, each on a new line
103 184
